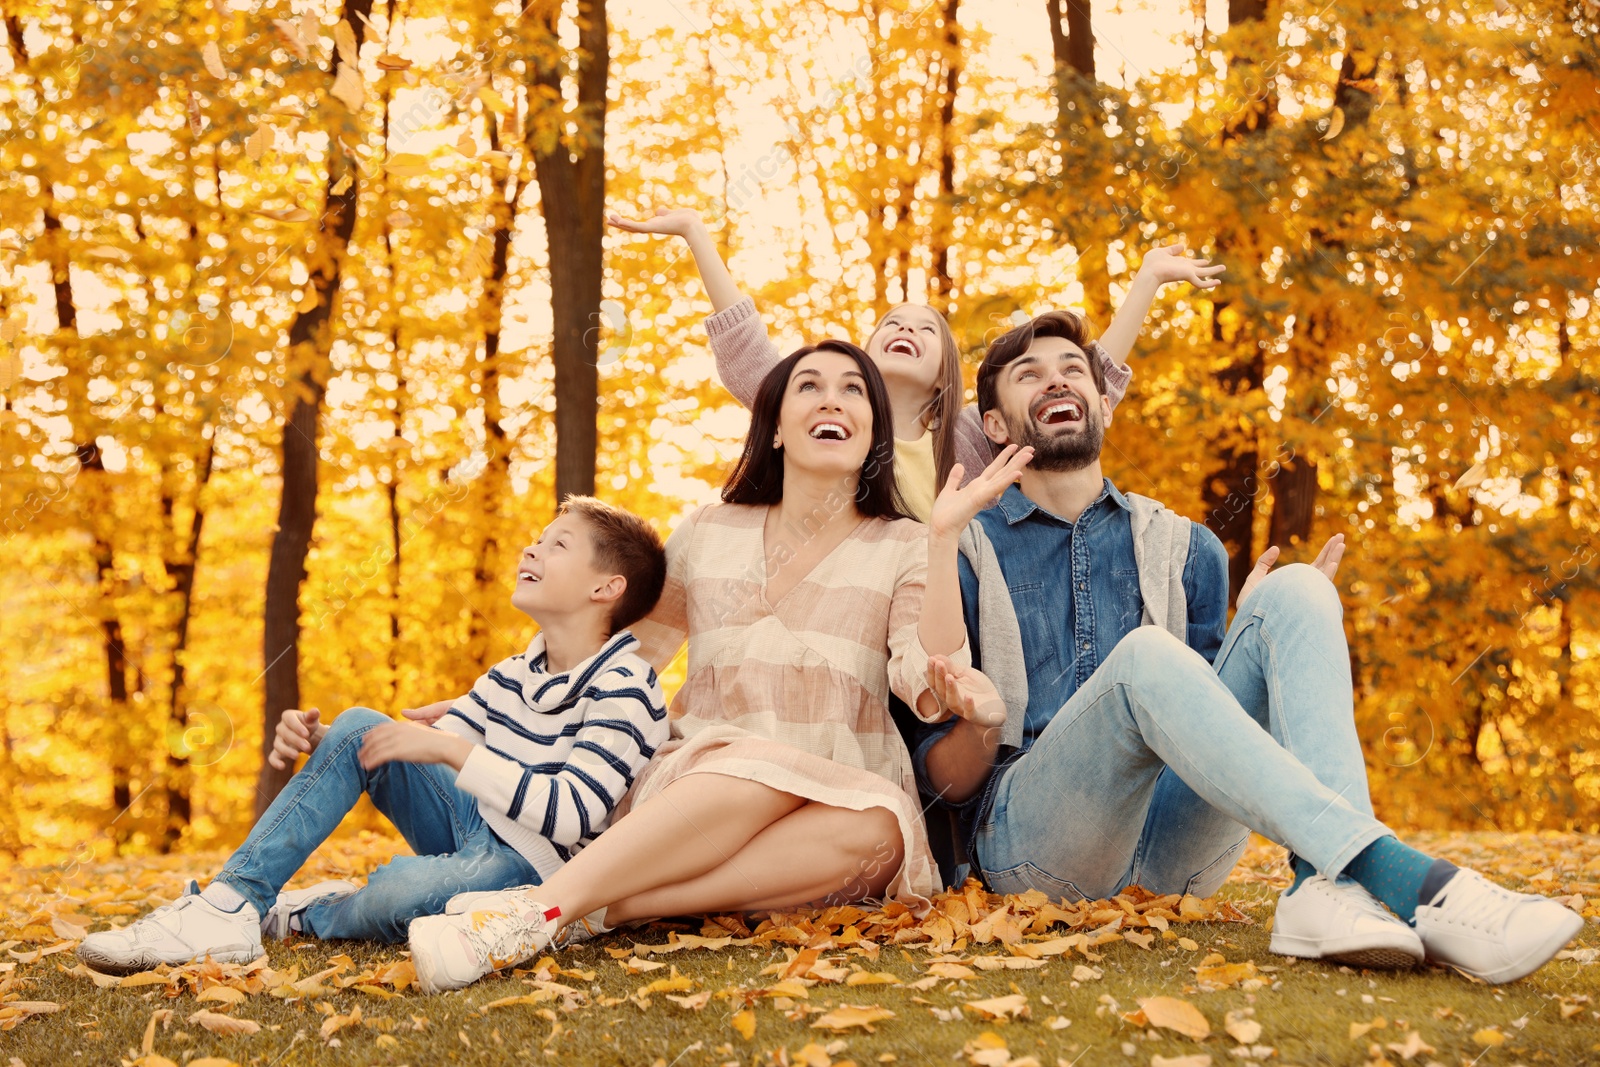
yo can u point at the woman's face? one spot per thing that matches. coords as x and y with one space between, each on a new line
825 423
908 346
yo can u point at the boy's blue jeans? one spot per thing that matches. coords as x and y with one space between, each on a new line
1153 769
456 852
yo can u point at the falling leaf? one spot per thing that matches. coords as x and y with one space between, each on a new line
291 37
344 39
285 214
110 253
348 88
1172 1013
406 165
1473 477
342 186
212 58
257 144
196 120
493 100
226 1025
844 1018
744 1021
1014 1006
390 61
1335 124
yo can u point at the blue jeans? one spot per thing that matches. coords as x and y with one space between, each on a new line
1152 771
455 850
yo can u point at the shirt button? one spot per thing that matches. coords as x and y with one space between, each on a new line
1083 585
1085 646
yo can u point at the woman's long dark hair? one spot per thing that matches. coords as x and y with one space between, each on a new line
758 476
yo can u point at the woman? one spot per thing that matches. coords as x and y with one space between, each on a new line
915 351
785 782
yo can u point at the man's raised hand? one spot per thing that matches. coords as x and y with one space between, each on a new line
966 691
959 504
1327 562
297 734
1171 263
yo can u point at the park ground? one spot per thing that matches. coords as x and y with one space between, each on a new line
983 980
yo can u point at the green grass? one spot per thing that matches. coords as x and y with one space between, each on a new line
1305 1012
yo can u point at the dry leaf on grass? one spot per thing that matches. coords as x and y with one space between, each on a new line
1489 1037
1197 1059
1171 1013
334 1023
694 1001
1241 1027
1412 1047
1014 1006
848 1016
221 994
745 1022
226 1025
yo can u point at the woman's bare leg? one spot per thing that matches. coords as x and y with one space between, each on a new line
816 853
695 824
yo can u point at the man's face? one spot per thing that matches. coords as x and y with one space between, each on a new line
1048 400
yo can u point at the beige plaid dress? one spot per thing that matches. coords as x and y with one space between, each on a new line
795 695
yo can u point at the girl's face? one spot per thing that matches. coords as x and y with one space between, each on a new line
825 423
908 347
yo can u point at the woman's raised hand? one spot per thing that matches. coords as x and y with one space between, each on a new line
959 504
1172 263
966 691
675 222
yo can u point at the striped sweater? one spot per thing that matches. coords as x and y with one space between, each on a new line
555 752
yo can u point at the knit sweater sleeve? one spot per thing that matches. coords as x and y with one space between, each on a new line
623 722
743 350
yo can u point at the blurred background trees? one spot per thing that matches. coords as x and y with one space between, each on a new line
307 319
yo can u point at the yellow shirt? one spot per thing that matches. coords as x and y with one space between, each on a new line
915 472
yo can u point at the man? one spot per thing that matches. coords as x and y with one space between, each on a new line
1124 755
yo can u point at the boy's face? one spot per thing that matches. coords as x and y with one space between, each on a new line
556 575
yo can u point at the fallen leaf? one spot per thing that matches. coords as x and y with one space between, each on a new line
1221 976
1413 1046
851 1016
71 931
222 994
1489 1037
1172 1013
694 1001
744 1022
224 1024
872 978
1014 1006
1196 1059
334 1023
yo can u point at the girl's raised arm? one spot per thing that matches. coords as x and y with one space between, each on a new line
739 340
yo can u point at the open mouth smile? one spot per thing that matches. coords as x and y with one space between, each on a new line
1059 410
903 346
829 431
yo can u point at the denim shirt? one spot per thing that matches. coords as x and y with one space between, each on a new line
1075 589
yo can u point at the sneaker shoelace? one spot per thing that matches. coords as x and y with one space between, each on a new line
507 937
1486 904
1355 898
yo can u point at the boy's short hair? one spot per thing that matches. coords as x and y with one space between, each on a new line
627 545
1014 342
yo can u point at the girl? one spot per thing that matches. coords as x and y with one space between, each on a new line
785 782
915 352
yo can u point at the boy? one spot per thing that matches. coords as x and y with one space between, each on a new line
521 773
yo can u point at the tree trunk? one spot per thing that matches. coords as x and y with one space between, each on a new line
1077 115
310 337
943 294
571 172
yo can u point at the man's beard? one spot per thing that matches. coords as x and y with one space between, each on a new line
1070 452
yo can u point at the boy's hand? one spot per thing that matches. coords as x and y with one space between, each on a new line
408 742
1171 263
675 222
428 714
967 692
297 734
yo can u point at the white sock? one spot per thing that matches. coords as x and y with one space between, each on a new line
223 896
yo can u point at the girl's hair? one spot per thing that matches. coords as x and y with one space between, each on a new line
758 476
944 408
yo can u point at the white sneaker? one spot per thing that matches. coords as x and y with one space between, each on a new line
191 928
501 930
1342 922
574 933
275 924
1491 932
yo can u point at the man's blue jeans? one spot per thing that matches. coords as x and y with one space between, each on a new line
455 850
1154 768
